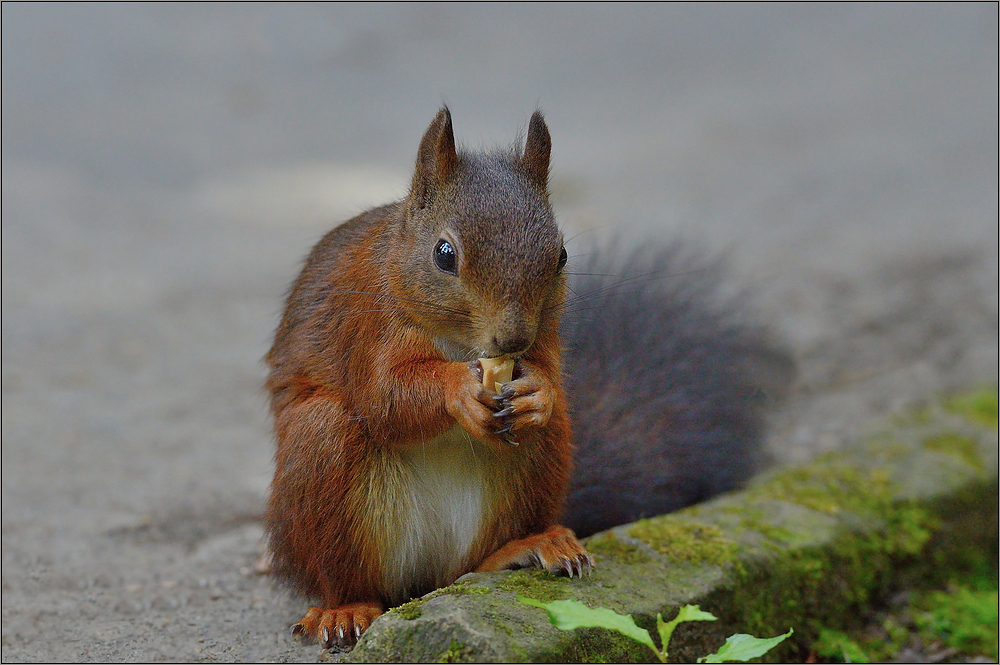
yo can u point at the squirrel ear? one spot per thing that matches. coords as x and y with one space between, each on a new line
537 150
436 158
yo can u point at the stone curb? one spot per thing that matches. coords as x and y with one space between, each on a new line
801 547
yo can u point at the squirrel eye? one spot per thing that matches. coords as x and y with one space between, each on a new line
562 260
444 257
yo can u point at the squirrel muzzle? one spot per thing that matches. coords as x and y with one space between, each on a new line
512 331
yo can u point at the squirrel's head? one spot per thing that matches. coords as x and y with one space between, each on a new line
482 258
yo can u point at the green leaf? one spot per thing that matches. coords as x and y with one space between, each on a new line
743 648
572 614
686 613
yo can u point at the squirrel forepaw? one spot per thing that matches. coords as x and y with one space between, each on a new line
556 550
341 626
470 404
527 401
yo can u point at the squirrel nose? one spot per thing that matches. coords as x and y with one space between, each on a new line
512 345
513 330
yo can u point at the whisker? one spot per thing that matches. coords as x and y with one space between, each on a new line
386 310
643 278
387 296
594 229
394 301
605 290
409 309
576 235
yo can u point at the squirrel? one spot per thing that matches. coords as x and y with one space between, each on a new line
397 470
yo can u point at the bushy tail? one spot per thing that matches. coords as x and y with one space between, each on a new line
668 385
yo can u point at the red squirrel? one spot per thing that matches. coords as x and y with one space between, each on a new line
397 470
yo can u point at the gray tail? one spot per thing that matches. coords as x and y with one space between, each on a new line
668 383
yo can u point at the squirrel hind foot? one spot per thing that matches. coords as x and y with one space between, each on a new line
556 550
337 626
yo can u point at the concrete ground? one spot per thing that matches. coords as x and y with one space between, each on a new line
167 167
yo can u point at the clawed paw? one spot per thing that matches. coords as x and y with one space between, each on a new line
340 626
524 402
556 550
561 553
471 404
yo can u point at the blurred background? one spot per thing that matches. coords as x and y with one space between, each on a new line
167 167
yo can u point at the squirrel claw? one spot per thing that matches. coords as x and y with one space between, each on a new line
556 550
582 564
503 414
341 626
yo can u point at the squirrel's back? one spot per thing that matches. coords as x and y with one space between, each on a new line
667 386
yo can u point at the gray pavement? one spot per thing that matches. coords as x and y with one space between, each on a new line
167 167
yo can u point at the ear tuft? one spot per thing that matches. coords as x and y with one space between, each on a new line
537 150
436 158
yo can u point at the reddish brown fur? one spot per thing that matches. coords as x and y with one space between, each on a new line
356 377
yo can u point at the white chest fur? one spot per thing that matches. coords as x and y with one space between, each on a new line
439 504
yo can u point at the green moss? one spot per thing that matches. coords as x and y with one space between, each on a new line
840 647
829 486
884 648
908 528
958 446
531 583
816 587
410 610
966 546
979 407
457 652
888 448
505 628
606 545
685 541
755 519
461 590
962 618
787 590
596 645
508 622
876 644
813 588
834 487
413 609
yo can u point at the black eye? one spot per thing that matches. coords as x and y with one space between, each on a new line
562 260
444 257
